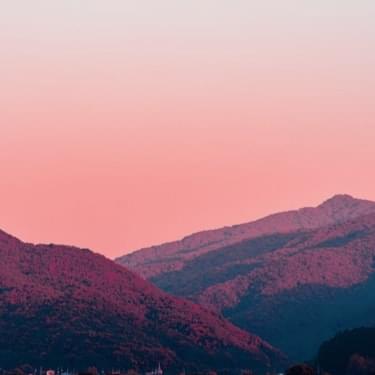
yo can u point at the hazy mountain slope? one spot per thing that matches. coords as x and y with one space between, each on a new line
65 306
294 288
173 256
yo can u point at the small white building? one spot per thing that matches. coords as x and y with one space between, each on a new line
157 371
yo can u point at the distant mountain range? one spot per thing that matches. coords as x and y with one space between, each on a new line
64 306
294 278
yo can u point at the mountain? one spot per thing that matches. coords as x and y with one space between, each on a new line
156 260
296 279
64 306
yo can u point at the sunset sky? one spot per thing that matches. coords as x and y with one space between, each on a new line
126 123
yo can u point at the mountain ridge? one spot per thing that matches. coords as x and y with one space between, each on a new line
171 256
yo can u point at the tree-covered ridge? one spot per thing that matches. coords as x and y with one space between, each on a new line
63 306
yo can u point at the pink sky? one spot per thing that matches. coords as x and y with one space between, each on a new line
129 123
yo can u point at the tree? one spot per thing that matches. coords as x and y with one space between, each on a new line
301 369
359 365
92 371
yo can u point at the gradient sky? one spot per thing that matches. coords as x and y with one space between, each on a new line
129 123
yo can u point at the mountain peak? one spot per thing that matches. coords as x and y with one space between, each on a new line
342 197
343 201
339 199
